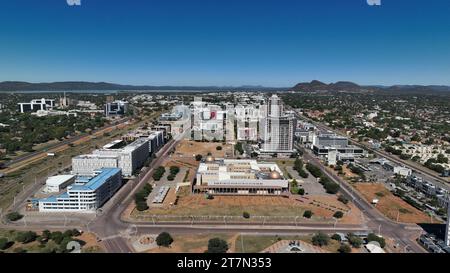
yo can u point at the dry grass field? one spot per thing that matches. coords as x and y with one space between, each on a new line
391 205
323 207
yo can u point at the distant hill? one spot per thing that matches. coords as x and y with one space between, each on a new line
418 89
12 86
317 86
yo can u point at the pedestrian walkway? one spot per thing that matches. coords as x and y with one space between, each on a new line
293 246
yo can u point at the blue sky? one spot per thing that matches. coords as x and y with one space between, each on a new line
226 42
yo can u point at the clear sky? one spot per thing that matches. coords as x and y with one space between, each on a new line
226 42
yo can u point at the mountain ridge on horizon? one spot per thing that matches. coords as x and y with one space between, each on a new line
12 86
313 86
316 86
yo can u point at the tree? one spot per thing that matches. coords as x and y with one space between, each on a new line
342 199
5 243
174 170
159 172
217 245
331 187
14 216
345 248
373 237
314 170
301 191
355 241
26 237
46 234
142 206
338 214
57 237
308 214
238 148
198 157
320 239
219 148
336 237
442 158
246 215
164 239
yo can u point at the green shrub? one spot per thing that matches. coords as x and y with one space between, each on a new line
308 214
5 243
14 216
338 214
373 237
355 241
164 239
336 237
345 248
217 245
26 237
320 239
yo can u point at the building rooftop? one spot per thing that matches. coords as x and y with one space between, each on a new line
97 181
58 180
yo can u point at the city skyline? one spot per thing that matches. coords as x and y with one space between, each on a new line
226 43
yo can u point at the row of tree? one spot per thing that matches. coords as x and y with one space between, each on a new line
330 186
140 198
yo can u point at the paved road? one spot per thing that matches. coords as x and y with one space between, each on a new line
109 223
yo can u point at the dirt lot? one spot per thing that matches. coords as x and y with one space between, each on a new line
91 246
391 205
189 148
326 205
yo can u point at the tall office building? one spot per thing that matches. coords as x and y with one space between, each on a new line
278 132
115 108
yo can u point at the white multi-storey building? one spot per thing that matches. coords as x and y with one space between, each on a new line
179 120
128 158
87 194
209 122
248 119
35 105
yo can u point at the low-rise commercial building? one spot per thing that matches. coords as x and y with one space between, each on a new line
325 142
239 177
35 105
